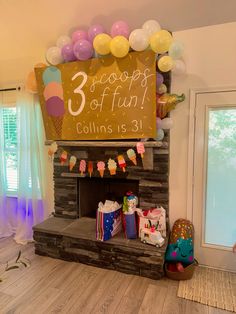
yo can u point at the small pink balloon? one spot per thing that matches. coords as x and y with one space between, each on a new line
53 89
78 35
120 28
94 30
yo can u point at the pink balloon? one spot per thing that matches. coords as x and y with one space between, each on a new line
83 50
79 34
158 122
94 30
53 89
120 28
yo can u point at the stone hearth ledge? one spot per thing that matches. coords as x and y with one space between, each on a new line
74 240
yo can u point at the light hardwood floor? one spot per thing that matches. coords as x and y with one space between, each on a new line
55 286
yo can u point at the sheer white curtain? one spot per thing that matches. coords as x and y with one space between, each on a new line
30 207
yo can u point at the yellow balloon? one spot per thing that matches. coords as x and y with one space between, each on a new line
160 41
165 63
101 44
119 46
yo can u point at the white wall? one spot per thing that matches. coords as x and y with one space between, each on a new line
210 55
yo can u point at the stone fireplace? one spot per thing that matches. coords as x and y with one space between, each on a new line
70 234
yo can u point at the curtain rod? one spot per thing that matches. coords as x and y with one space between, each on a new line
10 89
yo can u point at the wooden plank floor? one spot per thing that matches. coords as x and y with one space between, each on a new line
56 286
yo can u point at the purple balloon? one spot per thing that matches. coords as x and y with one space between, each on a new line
159 79
83 50
120 28
94 30
67 53
158 122
78 35
55 106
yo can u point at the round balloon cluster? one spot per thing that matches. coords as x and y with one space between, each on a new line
96 41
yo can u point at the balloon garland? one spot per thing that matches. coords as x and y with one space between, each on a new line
119 41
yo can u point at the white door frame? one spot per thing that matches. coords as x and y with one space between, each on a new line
191 140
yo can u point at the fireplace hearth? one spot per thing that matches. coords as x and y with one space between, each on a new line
70 234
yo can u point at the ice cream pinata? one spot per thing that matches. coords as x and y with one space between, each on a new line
53 95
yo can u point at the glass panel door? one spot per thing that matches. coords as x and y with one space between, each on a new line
220 219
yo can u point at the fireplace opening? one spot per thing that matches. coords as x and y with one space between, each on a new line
91 191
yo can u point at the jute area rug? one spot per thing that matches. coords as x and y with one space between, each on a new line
211 287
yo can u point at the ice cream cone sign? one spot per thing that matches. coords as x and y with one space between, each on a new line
90 168
112 165
63 157
82 167
52 150
140 148
132 156
72 162
101 168
121 162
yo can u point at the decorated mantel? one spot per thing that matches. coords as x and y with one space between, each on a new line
105 100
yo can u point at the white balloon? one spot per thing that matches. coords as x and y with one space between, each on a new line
166 123
63 40
160 135
176 49
151 27
179 67
53 55
138 40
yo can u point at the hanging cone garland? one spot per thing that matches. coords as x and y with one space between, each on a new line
140 148
82 167
90 168
63 157
132 156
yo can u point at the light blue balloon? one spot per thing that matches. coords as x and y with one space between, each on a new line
160 135
176 50
51 74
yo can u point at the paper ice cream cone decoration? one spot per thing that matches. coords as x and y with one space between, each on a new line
53 95
52 149
82 167
63 157
132 156
72 162
101 168
121 162
90 168
140 148
112 165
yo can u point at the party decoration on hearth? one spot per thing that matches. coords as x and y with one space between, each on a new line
72 162
121 162
112 166
132 156
140 148
52 150
108 220
90 168
166 103
82 167
101 168
130 201
63 157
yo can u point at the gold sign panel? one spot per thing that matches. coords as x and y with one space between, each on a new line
99 99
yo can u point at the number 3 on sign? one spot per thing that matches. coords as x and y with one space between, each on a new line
78 90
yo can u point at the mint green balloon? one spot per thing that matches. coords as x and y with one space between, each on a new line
176 50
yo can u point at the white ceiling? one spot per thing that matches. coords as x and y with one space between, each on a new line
29 27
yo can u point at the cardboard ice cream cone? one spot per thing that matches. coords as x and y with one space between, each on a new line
101 173
112 171
134 160
57 123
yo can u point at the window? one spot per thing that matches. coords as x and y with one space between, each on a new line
9 120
